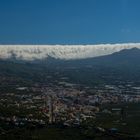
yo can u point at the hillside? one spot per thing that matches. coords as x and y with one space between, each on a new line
123 65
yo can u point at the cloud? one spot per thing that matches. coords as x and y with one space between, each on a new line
32 52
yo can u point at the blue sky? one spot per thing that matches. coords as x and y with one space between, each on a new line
69 21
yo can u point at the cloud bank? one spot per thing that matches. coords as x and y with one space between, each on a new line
33 52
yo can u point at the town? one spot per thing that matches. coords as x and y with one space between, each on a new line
66 103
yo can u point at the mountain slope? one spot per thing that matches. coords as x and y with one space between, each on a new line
125 57
109 69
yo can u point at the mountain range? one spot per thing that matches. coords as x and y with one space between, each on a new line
120 66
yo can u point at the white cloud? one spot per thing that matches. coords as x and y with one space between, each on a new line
31 52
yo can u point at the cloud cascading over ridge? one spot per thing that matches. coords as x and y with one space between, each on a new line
32 52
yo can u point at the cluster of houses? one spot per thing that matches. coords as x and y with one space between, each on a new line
60 104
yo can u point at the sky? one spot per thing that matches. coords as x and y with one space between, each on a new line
69 21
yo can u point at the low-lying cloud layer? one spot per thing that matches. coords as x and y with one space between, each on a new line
32 52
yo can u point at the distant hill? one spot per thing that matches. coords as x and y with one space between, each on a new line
120 66
124 57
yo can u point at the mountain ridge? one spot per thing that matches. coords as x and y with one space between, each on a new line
116 67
